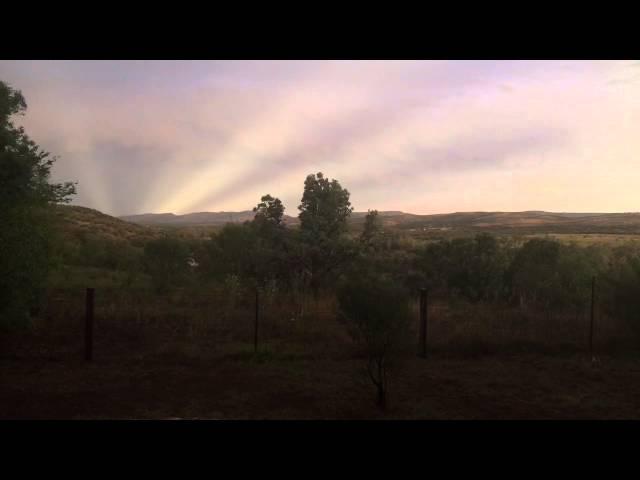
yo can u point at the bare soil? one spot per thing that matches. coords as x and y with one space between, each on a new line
46 378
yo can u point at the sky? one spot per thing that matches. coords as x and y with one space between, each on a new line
417 136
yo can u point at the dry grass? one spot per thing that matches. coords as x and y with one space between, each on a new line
463 328
587 239
191 356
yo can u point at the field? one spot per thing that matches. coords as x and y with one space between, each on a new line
307 302
191 356
188 352
586 239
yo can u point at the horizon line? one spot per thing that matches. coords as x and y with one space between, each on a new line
365 211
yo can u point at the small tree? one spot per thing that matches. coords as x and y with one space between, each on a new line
269 210
376 312
372 228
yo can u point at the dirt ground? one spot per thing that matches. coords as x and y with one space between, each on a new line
40 381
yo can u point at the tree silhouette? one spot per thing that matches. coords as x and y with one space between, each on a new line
26 200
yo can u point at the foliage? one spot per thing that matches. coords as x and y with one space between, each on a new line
167 261
324 208
620 289
548 274
372 229
252 251
26 202
376 311
471 267
269 210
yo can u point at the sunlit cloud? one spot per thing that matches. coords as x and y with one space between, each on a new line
419 136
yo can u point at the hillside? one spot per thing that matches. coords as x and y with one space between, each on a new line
78 222
521 222
196 219
530 222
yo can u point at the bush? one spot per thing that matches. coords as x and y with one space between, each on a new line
621 287
166 260
376 312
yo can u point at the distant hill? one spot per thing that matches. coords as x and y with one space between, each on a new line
81 221
529 222
196 219
521 222
222 218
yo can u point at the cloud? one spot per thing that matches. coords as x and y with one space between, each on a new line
189 135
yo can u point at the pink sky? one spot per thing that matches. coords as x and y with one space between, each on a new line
417 136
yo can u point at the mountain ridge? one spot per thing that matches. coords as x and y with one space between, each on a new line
621 222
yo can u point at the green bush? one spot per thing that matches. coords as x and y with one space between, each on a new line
376 312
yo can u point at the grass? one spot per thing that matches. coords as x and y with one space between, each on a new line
587 239
188 355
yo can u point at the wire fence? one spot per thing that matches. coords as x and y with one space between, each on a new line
135 321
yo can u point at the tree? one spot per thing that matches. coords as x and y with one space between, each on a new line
376 311
269 210
252 252
478 266
372 228
549 274
533 271
268 226
620 288
324 208
247 251
27 199
472 267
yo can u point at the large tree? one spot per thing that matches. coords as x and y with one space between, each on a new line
26 198
324 211
324 208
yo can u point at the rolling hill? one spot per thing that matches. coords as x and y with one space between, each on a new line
79 221
521 222
199 218
139 227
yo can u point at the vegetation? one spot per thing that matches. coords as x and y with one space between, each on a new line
26 200
377 313
167 261
326 285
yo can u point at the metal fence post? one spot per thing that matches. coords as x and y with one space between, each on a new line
423 322
88 326
255 329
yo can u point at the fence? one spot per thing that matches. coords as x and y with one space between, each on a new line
134 322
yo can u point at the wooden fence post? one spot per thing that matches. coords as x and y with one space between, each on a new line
255 327
88 326
423 322
593 294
